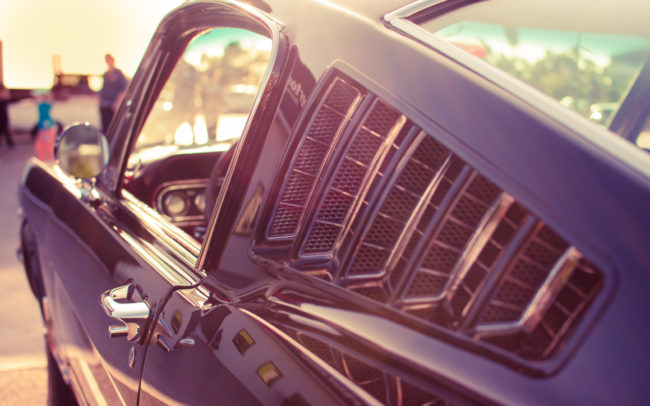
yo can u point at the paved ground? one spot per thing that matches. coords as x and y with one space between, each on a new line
23 378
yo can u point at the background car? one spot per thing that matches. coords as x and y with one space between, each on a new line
406 217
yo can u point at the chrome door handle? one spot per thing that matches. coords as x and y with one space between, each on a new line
118 305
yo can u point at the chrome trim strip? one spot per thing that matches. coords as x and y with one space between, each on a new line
541 302
171 271
179 241
369 177
410 9
421 206
475 245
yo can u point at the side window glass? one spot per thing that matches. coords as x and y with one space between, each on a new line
198 116
584 71
584 64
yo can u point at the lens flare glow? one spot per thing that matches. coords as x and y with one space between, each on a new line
200 130
184 135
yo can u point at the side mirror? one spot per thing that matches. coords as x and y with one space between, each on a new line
82 151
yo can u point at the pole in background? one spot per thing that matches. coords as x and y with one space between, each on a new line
2 76
56 64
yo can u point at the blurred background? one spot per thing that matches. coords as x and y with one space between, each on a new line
59 46
54 51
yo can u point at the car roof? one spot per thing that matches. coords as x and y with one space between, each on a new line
589 16
604 16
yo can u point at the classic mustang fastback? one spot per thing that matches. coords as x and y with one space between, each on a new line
325 202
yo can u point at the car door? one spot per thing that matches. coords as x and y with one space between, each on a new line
95 259
111 258
242 362
103 270
215 75
80 259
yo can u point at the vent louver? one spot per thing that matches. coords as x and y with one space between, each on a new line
400 219
327 124
358 167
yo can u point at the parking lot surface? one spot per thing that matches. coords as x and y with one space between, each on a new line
23 377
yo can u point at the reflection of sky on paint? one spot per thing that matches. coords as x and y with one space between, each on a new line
533 44
214 42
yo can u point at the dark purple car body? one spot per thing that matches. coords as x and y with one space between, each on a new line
402 221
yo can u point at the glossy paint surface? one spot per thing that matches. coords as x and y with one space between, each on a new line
244 325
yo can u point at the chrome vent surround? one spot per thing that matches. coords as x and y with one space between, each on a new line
377 206
386 388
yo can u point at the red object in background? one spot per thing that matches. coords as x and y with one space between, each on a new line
44 143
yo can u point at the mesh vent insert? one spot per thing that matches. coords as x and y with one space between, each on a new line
360 164
328 122
383 209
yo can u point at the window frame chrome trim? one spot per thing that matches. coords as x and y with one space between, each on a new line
209 261
167 233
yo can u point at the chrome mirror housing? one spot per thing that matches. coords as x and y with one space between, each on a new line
82 151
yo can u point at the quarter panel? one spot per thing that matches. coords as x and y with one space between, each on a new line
233 356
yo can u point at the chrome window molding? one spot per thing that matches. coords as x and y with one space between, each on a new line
278 44
177 240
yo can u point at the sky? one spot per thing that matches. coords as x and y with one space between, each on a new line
80 31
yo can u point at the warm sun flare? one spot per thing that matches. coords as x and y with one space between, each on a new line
79 31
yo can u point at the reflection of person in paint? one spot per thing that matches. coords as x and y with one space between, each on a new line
111 92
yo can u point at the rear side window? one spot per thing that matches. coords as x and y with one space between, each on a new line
584 57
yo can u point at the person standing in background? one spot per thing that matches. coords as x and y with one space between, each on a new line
111 92
5 97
